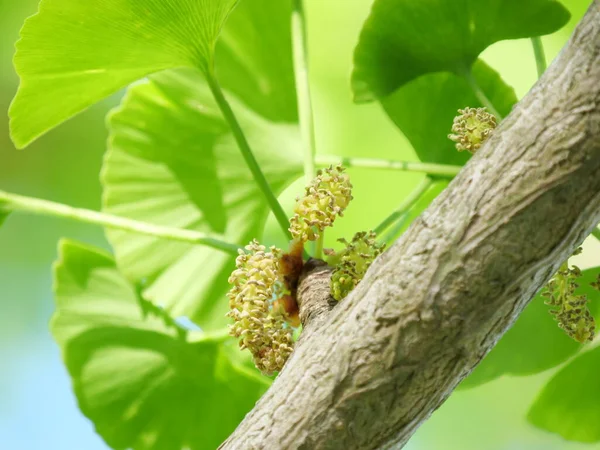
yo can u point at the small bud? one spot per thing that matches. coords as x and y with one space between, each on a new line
354 261
256 282
326 198
471 128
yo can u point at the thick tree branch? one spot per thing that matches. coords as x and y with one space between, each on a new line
434 304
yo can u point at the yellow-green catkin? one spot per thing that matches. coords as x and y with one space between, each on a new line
570 310
471 128
255 284
353 263
325 199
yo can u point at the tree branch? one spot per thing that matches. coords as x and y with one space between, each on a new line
433 305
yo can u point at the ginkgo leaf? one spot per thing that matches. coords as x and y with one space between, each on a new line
568 405
254 58
74 53
3 215
145 385
535 342
424 109
405 39
173 116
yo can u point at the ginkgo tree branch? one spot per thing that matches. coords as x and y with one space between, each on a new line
14 202
368 373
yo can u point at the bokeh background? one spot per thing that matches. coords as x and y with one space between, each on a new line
37 407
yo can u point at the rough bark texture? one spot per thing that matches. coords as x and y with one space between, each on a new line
438 300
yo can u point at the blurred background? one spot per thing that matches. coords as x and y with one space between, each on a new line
37 407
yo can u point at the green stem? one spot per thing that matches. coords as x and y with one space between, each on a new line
405 206
240 138
540 56
596 233
440 170
319 245
305 112
394 230
14 202
468 75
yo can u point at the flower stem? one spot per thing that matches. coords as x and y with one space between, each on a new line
240 138
405 206
540 56
440 170
14 202
468 75
305 112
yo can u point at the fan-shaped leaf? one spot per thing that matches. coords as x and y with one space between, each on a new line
172 117
424 109
568 404
254 58
144 385
72 54
404 39
534 343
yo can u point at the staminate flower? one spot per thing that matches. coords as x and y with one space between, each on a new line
471 128
326 198
353 263
256 284
571 311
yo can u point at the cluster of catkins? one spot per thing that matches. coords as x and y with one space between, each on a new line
325 198
571 311
471 128
256 282
353 262
259 285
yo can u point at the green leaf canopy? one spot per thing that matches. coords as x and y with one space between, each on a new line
404 39
172 118
143 384
535 343
424 109
569 404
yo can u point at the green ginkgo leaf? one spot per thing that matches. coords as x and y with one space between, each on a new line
254 58
535 342
405 39
145 385
3 215
74 53
165 120
424 109
568 405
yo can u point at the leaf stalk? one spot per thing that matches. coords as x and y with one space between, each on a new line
405 206
14 202
439 170
247 153
483 99
305 110
540 56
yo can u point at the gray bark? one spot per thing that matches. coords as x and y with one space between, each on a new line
369 372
